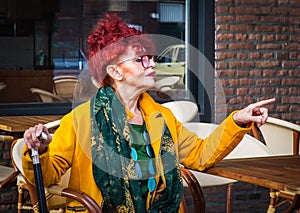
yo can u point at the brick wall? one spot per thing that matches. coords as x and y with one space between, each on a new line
257 55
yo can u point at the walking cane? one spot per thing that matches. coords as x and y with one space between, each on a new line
39 178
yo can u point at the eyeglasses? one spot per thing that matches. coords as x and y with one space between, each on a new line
151 162
144 60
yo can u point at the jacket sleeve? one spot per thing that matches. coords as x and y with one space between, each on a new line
199 154
58 156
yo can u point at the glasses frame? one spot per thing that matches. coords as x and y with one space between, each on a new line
143 59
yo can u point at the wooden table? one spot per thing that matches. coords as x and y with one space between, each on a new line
276 172
16 124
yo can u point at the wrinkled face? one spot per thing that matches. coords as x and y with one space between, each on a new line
136 68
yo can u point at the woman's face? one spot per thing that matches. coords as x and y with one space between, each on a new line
137 69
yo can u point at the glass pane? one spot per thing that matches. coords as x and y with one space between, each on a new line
50 40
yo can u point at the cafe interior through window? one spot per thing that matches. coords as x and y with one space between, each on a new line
43 39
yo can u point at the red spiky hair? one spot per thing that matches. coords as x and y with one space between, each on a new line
107 41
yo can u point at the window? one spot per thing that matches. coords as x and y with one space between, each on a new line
49 36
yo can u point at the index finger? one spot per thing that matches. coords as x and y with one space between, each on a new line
264 102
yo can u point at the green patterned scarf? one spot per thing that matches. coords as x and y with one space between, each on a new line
113 168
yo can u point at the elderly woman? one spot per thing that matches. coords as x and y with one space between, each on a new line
123 147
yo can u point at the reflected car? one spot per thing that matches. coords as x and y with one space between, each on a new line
171 62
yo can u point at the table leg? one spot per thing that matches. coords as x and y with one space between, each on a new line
229 198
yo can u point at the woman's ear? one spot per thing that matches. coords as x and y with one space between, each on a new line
113 72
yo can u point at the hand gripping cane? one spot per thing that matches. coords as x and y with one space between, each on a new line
39 178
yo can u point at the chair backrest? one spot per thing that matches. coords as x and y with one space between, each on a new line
184 111
58 77
167 83
65 87
281 136
248 147
46 96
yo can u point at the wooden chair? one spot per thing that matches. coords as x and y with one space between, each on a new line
46 96
55 192
59 77
282 137
248 147
65 87
184 111
192 183
7 173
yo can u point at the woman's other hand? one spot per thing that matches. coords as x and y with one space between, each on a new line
33 139
255 112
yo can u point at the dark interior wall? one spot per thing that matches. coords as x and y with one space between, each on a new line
18 84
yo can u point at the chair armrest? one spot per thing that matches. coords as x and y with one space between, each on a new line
79 196
195 188
9 181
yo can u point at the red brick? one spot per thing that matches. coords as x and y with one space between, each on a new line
283 2
281 10
291 64
253 91
268 82
242 73
221 46
295 11
224 55
221 9
226 72
269 72
282 108
242 55
290 81
246 81
268 90
284 55
290 29
226 19
266 28
294 2
281 37
291 99
254 9
255 37
281 90
241 37
225 37
254 55
241 28
255 72
294 91
291 46
250 18
242 91
294 72
221 65
267 64
267 38
294 55
241 46
241 64
222 27
269 55
268 46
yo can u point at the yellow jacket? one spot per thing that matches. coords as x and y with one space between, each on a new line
71 146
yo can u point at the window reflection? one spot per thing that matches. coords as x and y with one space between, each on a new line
42 36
